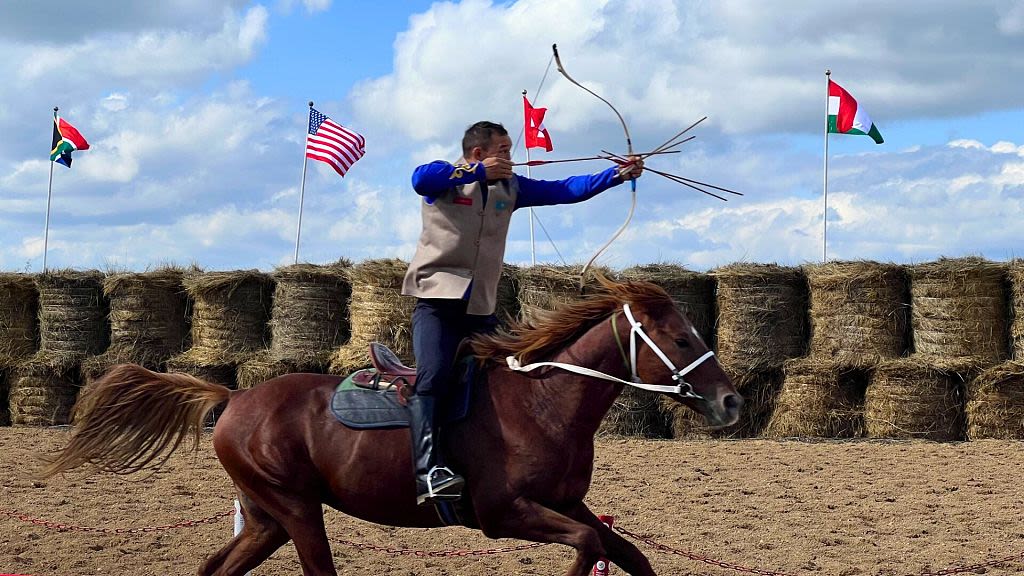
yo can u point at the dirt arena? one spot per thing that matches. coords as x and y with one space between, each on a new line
888 508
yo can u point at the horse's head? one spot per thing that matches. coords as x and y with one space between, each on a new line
670 352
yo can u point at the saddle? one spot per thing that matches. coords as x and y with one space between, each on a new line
388 372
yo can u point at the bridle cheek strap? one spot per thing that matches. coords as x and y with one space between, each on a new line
682 387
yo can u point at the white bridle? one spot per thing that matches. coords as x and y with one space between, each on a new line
682 387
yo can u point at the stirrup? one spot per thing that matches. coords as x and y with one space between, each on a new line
447 490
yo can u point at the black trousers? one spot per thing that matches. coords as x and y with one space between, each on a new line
438 325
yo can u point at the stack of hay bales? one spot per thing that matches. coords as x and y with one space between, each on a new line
693 293
960 312
308 321
819 398
377 313
759 389
909 398
508 294
859 312
230 312
72 326
19 334
544 287
1016 275
762 322
148 321
995 405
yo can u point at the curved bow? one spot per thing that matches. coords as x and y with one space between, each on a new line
629 152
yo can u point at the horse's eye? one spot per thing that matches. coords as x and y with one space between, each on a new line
682 342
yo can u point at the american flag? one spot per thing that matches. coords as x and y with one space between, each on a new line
332 143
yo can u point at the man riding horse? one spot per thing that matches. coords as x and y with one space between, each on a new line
454 275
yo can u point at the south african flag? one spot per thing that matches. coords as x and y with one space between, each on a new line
66 139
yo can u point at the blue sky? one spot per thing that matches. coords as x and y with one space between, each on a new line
195 110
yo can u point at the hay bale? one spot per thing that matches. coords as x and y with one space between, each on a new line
762 315
636 413
693 293
1016 277
960 311
309 318
545 287
148 322
19 306
229 316
859 312
5 410
508 294
378 313
995 405
818 399
907 398
759 390
266 365
43 390
72 314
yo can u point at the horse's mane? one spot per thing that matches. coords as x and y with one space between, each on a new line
548 331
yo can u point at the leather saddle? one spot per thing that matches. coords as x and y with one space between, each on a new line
388 373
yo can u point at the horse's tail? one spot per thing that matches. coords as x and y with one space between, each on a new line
129 417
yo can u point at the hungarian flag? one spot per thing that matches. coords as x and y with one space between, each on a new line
845 117
536 134
66 139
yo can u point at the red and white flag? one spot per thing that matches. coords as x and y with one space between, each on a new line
332 143
536 134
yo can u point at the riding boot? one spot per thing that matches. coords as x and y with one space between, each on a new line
433 483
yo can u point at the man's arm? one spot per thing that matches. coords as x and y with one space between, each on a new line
434 179
569 191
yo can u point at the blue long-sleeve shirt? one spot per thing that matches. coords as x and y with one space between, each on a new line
434 179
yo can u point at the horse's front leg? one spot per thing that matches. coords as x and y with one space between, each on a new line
619 550
528 520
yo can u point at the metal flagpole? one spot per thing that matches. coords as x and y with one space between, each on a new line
824 219
49 194
302 185
533 248
824 195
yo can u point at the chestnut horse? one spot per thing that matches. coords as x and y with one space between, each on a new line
526 448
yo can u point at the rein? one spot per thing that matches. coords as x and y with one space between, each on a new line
682 387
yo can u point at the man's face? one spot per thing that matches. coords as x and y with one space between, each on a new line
500 147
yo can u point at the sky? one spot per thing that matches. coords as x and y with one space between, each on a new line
196 113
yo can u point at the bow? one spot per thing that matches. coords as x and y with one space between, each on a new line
629 152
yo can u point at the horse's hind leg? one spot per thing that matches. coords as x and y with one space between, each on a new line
261 536
303 519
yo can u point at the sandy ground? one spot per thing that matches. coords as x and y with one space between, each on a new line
841 508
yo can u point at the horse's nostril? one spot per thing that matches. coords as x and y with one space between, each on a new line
733 402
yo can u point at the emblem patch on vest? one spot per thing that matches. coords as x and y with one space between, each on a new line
462 200
500 205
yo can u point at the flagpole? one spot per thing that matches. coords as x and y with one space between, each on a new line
824 220
529 174
49 194
302 184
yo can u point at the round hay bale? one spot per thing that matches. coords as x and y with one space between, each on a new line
19 307
818 399
907 398
995 405
378 313
1016 275
762 315
693 293
148 321
229 315
636 413
309 318
859 312
545 287
266 365
960 311
508 294
759 390
43 390
72 313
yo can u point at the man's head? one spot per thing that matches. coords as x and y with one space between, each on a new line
485 140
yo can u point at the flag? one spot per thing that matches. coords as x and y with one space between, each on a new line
66 139
332 143
536 134
845 117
